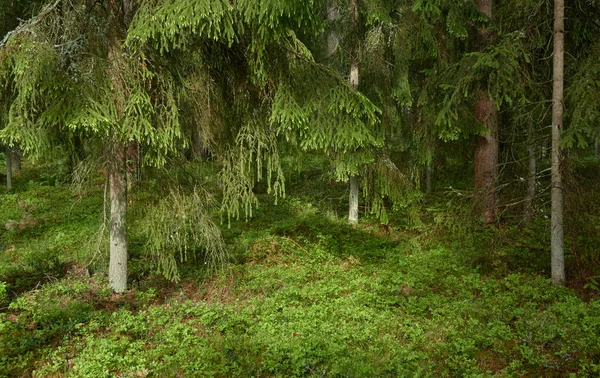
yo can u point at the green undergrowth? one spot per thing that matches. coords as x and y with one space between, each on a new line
305 294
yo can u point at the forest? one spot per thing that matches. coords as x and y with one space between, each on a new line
290 188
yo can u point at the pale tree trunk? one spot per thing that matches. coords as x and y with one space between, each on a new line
353 210
353 181
121 14
332 38
557 244
9 169
486 149
117 272
531 173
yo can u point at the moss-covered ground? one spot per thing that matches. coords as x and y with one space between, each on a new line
305 294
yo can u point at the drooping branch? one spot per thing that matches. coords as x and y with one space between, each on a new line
24 26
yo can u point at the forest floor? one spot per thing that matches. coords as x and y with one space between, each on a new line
305 294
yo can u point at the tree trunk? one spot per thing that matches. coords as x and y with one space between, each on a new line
332 38
531 173
121 15
117 273
9 169
353 211
428 174
15 159
486 149
597 148
486 158
353 181
198 150
557 244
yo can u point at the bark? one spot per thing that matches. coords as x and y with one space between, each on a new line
197 144
486 158
557 244
15 159
486 148
428 174
531 173
121 15
597 148
353 208
117 273
354 77
9 171
332 38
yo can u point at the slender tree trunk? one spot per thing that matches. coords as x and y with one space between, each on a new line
15 159
9 169
198 149
558 253
332 38
428 174
354 77
121 15
353 210
597 148
529 199
486 149
117 273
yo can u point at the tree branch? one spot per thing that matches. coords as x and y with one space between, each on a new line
29 23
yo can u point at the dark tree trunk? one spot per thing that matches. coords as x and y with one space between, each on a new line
486 149
428 174
15 159
557 232
486 158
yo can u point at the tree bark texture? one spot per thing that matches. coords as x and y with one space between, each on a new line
354 77
557 244
15 159
531 174
121 13
486 148
353 208
486 158
428 174
332 38
117 273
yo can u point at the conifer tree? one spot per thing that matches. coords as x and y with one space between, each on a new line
69 72
486 149
558 265
279 91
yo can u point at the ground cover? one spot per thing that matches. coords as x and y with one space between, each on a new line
305 295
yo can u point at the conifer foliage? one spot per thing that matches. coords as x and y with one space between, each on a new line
442 84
